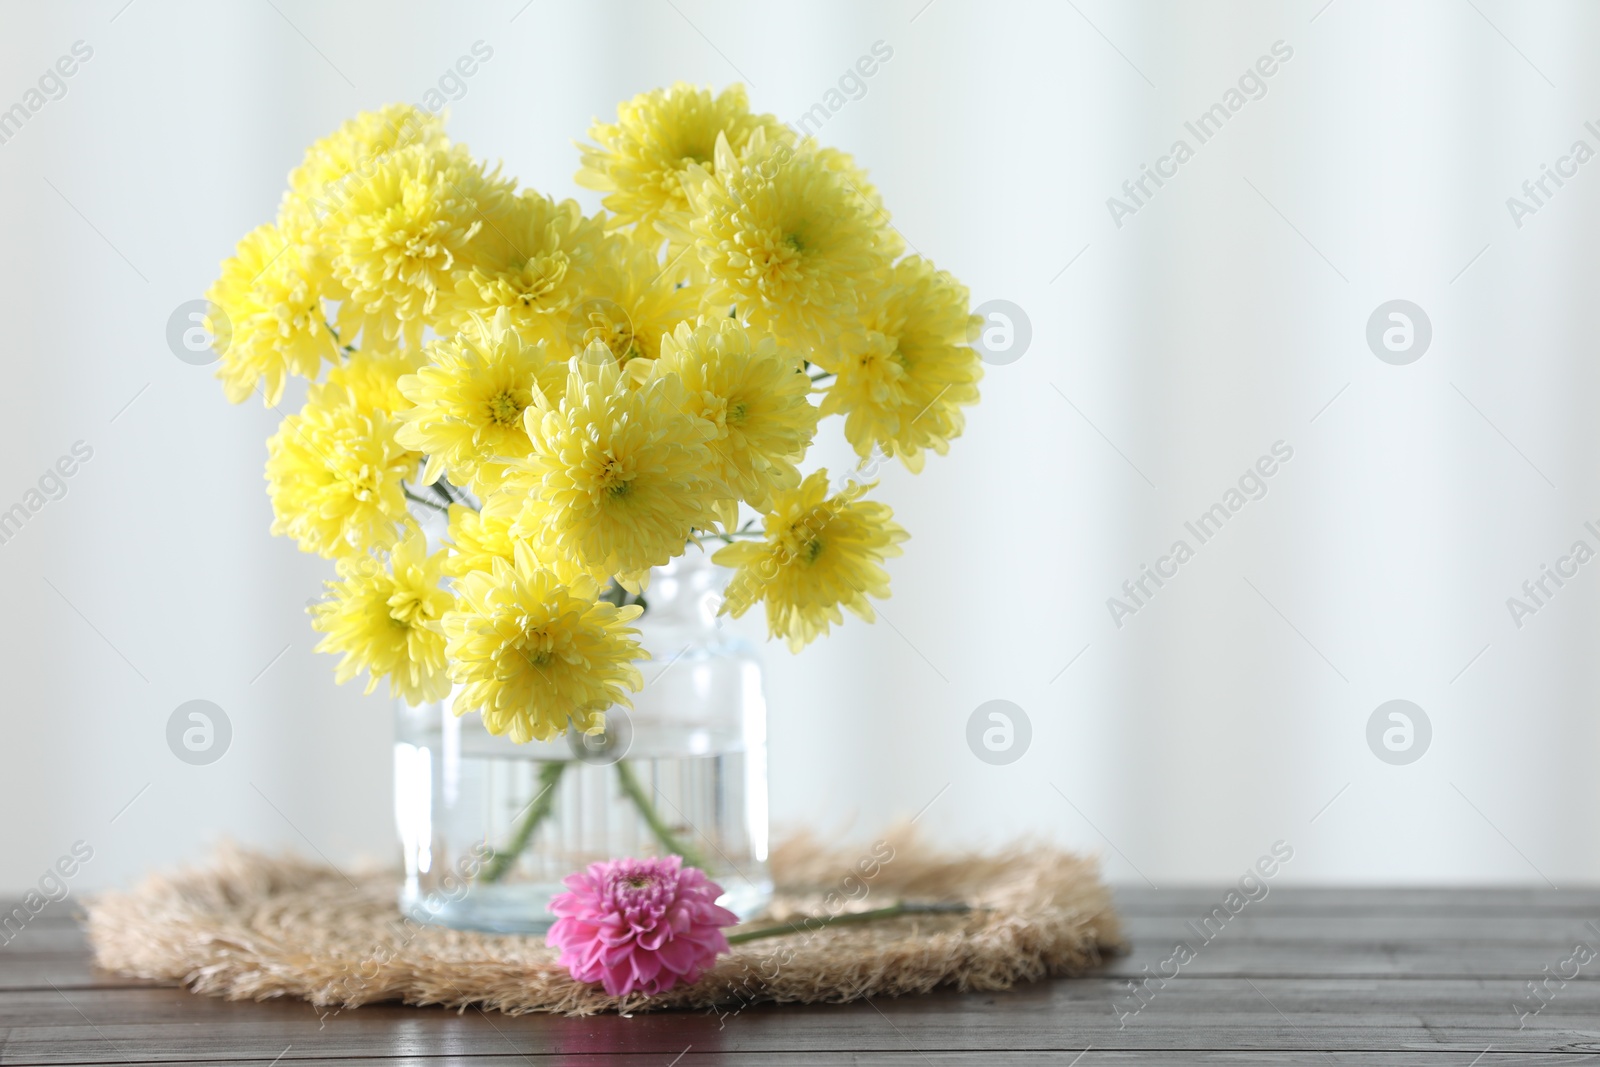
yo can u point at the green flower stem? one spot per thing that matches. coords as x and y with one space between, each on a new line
663 833
731 535
749 529
445 494
815 922
424 501
538 810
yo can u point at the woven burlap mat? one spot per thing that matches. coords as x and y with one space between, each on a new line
251 926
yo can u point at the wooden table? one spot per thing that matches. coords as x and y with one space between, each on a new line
1305 976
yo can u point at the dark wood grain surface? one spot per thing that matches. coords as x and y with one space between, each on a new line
1306 976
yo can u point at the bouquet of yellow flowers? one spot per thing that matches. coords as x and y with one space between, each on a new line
580 397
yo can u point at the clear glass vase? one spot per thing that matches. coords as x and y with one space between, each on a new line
490 828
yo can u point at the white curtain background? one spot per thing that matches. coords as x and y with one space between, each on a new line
1167 354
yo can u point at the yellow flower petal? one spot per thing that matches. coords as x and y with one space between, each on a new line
533 654
821 553
385 620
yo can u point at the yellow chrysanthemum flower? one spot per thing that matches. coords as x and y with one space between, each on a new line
641 159
903 377
385 620
618 478
334 474
334 166
468 401
629 302
755 397
477 540
532 654
404 235
271 322
372 377
784 238
298 222
844 165
534 259
820 553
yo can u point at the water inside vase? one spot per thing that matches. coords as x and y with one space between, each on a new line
455 801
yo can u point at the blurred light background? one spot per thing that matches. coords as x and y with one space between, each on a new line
1172 346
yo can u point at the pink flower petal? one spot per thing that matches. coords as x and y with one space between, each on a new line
645 967
618 981
679 954
639 925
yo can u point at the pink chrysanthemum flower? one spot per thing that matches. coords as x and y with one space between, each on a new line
639 925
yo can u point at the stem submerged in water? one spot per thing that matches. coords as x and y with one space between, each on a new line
538 810
502 859
662 832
